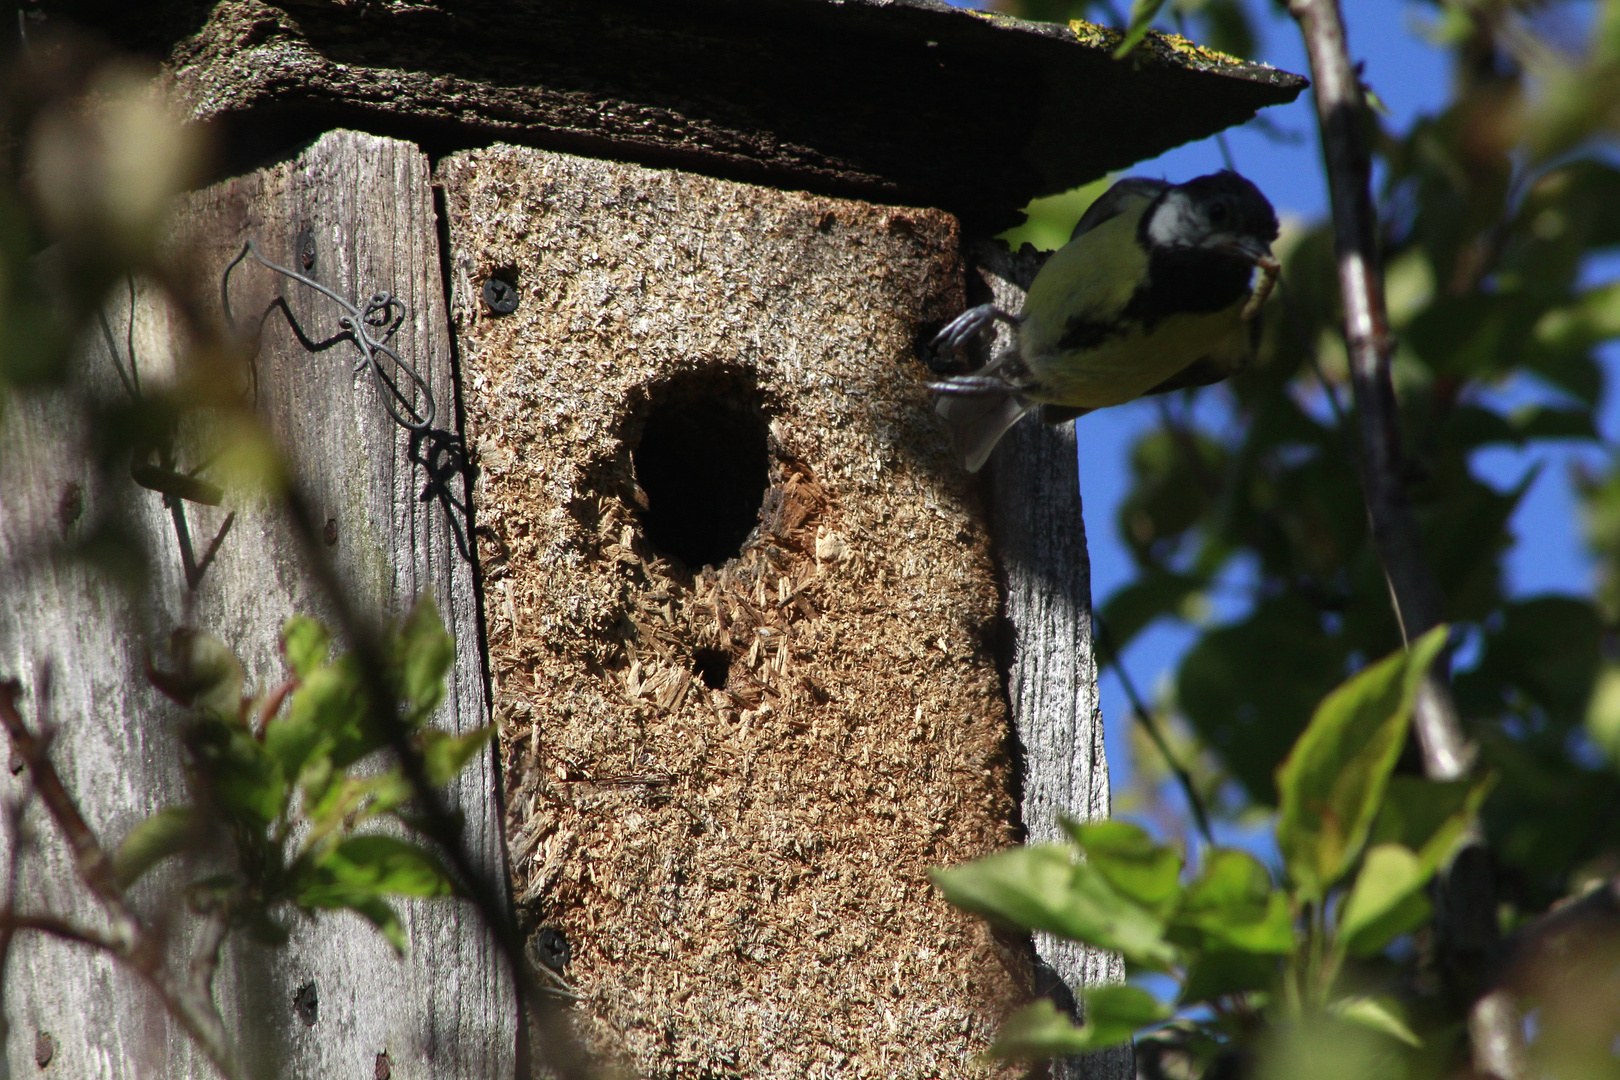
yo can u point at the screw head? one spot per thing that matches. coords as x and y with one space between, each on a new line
550 948
501 297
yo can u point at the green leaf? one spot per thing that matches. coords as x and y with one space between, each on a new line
444 755
1250 715
207 677
1547 648
1144 871
1217 973
1113 1014
1390 876
244 779
1428 816
1333 780
1232 906
426 654
1042 887
1543 422
1382 1014
386 864
328 716
1039 1031
1603 711
1143 12
385 919
167 832
306 644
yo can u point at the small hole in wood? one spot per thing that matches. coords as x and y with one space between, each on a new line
702 462
713 667
307 1004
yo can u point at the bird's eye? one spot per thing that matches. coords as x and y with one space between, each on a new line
1218 213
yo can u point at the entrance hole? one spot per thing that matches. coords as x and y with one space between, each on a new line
703 464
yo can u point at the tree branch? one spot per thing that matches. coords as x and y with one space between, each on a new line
129 943
1465 916
93 865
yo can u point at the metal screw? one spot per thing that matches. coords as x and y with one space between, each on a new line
307 1004
501 297
549 948
306 248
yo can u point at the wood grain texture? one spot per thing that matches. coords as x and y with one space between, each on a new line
445 1011
1040 540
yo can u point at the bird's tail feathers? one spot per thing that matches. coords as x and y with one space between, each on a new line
979 417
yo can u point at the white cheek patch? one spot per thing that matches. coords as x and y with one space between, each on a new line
1175 222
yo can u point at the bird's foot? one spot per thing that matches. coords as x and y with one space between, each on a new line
970 385
973 321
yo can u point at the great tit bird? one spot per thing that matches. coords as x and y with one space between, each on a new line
1155 290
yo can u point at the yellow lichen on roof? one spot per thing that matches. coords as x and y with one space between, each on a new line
1169 47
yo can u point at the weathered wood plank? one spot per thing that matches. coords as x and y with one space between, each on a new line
1040 539
446 1011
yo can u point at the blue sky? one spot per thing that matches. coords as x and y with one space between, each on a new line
1411 78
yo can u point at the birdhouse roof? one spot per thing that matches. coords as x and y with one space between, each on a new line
910 101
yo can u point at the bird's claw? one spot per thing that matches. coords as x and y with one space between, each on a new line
970 385
971 322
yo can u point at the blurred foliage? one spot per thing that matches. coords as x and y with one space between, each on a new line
1273 979
286 790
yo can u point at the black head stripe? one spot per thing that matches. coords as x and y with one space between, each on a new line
1253 215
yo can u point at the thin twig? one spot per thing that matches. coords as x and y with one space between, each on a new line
1467 900
93 865
59 928
1341 113
1145 716
128 940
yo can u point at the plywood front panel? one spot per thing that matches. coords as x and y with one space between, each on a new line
742 614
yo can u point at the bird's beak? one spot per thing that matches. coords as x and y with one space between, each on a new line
1246 247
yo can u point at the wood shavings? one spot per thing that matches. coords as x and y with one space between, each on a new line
742 773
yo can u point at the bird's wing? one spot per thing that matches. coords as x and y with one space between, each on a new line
1080 294
1116 199
1222 364
1205 372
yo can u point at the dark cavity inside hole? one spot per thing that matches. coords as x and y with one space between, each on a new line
713 667
702 462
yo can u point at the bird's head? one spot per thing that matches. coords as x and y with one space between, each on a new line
1220 212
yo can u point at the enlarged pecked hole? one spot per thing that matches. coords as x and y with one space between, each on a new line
702 463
